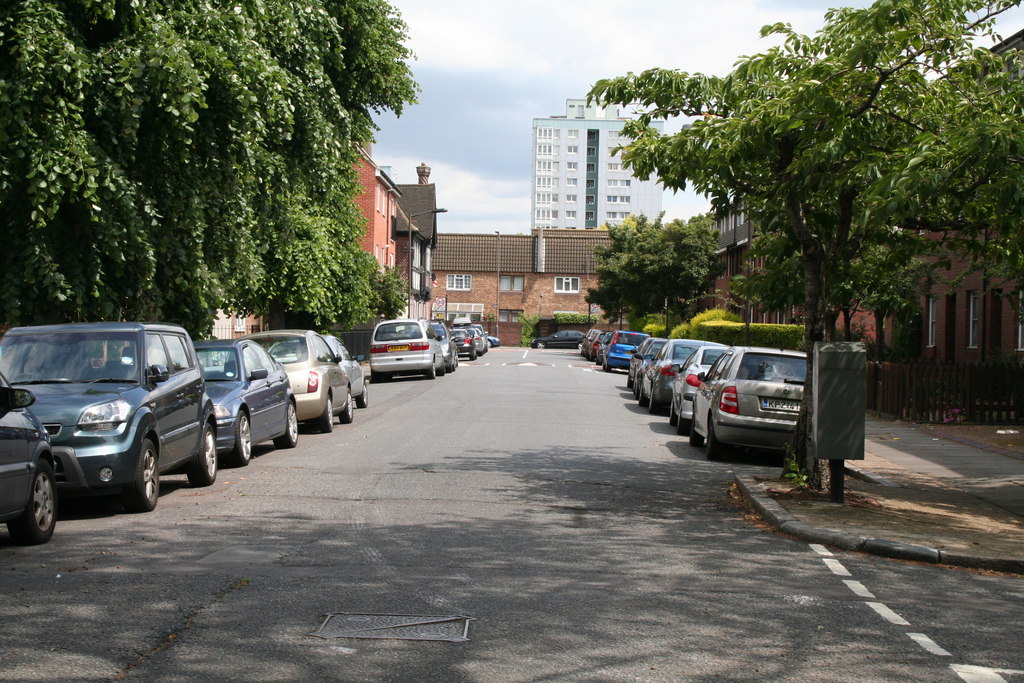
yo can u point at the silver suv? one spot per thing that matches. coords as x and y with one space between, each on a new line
405 346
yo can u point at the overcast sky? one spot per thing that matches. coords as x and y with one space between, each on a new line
487 69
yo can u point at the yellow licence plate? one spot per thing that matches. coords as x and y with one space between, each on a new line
403 347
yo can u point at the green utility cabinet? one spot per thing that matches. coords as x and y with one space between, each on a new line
840 371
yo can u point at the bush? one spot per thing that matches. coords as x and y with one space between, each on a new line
688 330
655 329
528 329
761 334
574 319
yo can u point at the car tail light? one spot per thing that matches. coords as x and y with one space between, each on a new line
667 371
693 380
730 402
419 347
312 382
379 348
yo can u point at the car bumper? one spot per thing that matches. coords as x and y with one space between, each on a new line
225 434
97 467
418 363
307 406
754 432
619 360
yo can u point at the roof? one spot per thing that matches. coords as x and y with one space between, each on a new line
416 202
548 251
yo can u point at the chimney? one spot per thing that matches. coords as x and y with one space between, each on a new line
423 171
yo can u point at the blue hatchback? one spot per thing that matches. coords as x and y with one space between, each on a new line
620 349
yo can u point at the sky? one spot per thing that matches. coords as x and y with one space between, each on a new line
487 69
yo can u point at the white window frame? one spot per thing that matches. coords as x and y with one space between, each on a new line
933 306
570 215
545 150
545 182
565 284
572 182
459 282
571 198
614 166
973 319
571 166
516 283
573 135
572 149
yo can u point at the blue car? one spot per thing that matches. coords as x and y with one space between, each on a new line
620 349
252 398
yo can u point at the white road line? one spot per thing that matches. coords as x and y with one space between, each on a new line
858 588
837 567
888 614
821 550
525 354
982 674
928 644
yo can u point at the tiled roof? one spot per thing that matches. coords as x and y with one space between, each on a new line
557 251
417 200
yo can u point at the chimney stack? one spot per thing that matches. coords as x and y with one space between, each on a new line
423 171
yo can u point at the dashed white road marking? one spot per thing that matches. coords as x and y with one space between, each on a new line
525 353
928 644
821 550
888 614
858 588
982 674
837 567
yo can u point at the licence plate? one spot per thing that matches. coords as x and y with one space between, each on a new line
402 347
780 404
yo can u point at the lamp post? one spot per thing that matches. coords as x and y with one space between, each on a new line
408 304
497 291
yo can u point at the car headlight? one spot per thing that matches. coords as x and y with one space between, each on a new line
221 411
105 415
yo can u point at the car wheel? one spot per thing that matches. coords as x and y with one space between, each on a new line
143 492
203 470
363 399
241 454
472 355
695 438
348 412
36 524
653 407
673 416
715 449
607 368
684 426
326 420
644 399
636 390
443 371
431 372
542 345
629 381
290 438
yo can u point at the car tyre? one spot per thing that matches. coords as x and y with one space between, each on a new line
684 427
629 381
644 400
695 438
36 524
363 399
290 438
142 494
673 416
472 354
241 454
431 372
203 470
714 449
607 368
653 407
443 371
542 345
348 412
326 420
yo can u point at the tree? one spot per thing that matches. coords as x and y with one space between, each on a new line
161 160
390 290
654 268
813 137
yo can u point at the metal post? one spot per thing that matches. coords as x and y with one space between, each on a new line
497 291
837 481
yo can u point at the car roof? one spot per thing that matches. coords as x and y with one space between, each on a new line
768 349
96 327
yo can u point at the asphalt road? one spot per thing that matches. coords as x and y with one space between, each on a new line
585 539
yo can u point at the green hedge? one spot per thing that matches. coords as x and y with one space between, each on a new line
688 330
761 334
574 319
655 329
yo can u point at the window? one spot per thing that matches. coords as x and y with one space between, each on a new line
591 216
571 166
567 285
591 135
573 149
545 182
571 197
573 135
591 168
547 134
572 182
545 150
973 315
614 166
509 316
591 152
591 184
591 200
511 283
545 214
546 166
462 283
177 352
544 198
932 308
570 215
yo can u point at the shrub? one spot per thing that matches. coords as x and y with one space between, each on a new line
761 334
688 330
574 319
655 329
528 329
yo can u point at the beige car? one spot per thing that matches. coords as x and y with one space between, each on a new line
320 385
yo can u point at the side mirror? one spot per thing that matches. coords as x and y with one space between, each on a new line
158 373
676 368
258 373
360 358
12 399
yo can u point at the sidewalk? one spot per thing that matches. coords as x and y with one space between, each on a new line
915 496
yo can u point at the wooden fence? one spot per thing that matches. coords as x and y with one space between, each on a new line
987 393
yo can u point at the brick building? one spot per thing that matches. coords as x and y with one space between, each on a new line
416 238
378 202
497 278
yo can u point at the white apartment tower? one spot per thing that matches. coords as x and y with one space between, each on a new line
578 180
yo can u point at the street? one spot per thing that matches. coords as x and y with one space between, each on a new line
527 491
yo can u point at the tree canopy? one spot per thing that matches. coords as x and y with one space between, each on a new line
888 116
161 160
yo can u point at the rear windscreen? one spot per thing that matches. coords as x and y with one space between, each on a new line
632 339
285 350
396 331
770 367
681 353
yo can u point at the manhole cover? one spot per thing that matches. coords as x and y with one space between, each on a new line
452 628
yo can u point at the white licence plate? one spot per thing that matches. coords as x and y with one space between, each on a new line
780 404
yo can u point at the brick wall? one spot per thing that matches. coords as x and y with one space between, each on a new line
538 294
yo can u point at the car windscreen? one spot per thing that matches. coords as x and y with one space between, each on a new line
772 368
654 348
630 338
285 349
711 355
395 331
63 357
220 364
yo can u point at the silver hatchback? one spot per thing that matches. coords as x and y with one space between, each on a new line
405 346
750 397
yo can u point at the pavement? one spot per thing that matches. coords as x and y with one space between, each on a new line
915 496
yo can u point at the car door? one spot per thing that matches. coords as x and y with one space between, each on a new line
704 397
259 394
16 433
178 401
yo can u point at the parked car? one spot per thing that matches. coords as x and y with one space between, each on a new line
750 397
493 341
405 346
479 334
640 358
685 383
123 403
358 385
620 349
563 339
587 341
444 337
28 489
599 348
251 395
464 342
656 380
319 384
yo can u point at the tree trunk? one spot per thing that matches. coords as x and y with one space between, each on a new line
879 336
